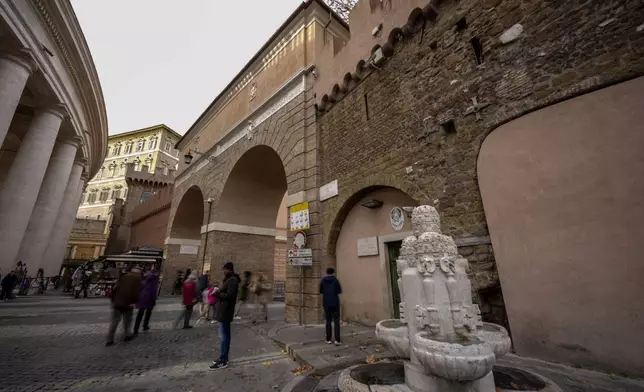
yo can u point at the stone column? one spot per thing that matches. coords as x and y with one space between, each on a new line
20 189
55 251
15 69
50 198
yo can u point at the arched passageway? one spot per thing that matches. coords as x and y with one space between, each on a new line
562 189
243 228
366 248
183 245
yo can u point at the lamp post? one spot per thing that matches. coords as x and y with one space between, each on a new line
188 157
205 243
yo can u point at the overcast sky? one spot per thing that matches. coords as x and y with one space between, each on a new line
164 61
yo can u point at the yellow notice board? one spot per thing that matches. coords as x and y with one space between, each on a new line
299 216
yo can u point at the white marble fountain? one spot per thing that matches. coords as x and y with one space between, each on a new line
440 334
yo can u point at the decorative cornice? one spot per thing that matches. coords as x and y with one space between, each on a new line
76 56
284 95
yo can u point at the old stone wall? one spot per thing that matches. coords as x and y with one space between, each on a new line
149 220
454 73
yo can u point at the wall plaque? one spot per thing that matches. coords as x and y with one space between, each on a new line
368 246
329 190
397 218
189 249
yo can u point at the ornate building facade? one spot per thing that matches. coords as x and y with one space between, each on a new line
53 130
152 147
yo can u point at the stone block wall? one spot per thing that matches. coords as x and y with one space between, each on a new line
150 220
454 73
248 252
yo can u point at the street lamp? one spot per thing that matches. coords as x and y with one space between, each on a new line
188 157
210 200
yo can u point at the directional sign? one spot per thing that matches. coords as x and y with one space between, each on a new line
300 261
300 252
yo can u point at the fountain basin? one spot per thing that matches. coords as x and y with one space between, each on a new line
395 334
497 337
466 360
365 378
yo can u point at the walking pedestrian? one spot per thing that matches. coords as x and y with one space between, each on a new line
147 300
330 289
189 296
125 294
261 291
207 303
227 296
84 285
8 283
244 291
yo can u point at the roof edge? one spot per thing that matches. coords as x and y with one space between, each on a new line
303 6
150 128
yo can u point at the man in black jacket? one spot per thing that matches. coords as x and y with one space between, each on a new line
330 289
227 295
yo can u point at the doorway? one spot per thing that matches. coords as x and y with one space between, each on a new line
393 251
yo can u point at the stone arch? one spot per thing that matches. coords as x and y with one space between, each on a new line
336 209
366 214
189 216
242 228
183 244
559 168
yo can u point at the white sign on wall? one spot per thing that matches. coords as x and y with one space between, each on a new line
329 190
189 249
368 246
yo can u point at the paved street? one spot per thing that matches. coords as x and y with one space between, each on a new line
57 343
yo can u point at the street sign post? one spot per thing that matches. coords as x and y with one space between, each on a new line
300 257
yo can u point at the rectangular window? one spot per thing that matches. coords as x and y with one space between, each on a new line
168 147
91 198
104 195
139 146
128 148
116 194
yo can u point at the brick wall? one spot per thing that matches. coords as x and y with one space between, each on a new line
279 271
248 252
150 220
393 126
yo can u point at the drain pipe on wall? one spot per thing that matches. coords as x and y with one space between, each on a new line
205 243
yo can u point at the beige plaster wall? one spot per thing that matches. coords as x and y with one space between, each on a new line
563 193
363 297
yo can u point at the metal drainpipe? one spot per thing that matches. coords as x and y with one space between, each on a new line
205 243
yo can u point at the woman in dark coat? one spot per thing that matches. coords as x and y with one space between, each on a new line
147 300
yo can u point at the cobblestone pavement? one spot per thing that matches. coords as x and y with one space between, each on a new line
57 343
